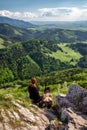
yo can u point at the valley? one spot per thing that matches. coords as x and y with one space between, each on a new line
57 56
54 55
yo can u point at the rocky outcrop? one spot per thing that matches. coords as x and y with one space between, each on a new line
78 96
18 117
72 108
21 118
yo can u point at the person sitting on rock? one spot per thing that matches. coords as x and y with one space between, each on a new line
34 92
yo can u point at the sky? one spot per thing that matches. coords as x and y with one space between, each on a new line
44 10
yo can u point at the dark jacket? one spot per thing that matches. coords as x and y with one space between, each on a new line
34 93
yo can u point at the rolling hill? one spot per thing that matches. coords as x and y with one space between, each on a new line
42 50
36 57
14 34
71 25
16 23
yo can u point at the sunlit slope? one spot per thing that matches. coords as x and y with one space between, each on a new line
66 54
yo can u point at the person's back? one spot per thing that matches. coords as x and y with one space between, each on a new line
34 91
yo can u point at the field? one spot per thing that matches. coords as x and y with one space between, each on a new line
67 54
1 43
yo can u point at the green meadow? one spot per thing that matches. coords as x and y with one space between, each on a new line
67 54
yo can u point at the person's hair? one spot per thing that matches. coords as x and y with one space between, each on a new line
33 81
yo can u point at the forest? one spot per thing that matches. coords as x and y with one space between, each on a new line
58 55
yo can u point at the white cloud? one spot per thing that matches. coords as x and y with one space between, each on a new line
53 14
6 13
19 15
29 15
9 13
54 11
16 14
64 14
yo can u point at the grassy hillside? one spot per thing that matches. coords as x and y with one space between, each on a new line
5 41
36 57
66 54
15 22
1 43
58 81
16 63
62 79
11 34
25 53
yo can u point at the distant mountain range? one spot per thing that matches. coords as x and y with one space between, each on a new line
72 25
16 23
59 22
16 34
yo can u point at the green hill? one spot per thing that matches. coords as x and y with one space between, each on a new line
36 57
16 63
11 34
37 51
64 78
67 54
15 22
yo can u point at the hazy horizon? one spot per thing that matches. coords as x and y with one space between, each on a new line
50 10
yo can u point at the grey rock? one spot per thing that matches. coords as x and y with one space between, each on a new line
50 114
1 126
78 96
22 118
73 108
55 125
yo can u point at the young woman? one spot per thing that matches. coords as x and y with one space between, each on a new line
34 91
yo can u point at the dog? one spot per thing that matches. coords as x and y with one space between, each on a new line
47 97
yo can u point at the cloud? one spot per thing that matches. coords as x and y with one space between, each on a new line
9 13
54 11
19 15
64 14
49 14
29 15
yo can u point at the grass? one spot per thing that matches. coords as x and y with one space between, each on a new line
1 43
1 40
21 94
57 81
4 103
1 46
14 94
17 32
67 54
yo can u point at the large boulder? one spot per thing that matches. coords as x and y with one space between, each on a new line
72 108
78 96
